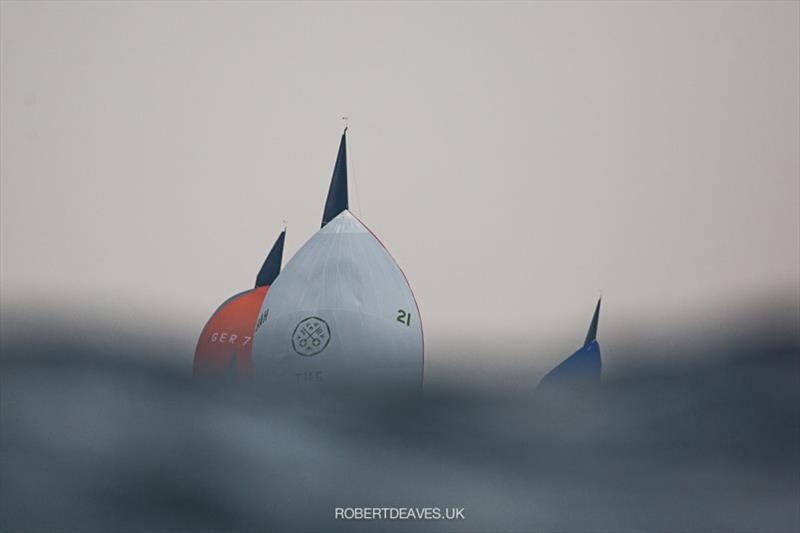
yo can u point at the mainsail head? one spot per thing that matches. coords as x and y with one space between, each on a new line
340 313
337 192
591 335
272 264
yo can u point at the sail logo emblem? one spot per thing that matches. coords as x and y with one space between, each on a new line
311 336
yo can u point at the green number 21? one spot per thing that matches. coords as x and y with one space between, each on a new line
404 317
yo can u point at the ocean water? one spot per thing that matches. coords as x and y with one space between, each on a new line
121 438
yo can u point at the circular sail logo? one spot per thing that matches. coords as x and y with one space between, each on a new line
311 336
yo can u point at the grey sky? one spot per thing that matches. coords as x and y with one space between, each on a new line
514 158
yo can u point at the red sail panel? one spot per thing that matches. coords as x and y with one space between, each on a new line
226 342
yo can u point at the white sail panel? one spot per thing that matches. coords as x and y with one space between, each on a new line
341 312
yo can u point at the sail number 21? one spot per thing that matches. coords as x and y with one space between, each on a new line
404 317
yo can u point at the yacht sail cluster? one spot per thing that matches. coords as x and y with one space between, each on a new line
341 312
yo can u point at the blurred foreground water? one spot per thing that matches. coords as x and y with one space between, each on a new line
128 441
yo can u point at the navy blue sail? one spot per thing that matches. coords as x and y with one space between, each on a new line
272 264
591 335
337 192
582 367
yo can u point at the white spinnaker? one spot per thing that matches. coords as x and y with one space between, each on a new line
341 312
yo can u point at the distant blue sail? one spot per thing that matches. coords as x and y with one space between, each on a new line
337 192
582 367
272 264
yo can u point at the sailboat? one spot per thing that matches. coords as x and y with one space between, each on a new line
342 311
226 342
582 367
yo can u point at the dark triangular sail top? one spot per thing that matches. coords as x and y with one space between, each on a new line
272 264
337 193
591 335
